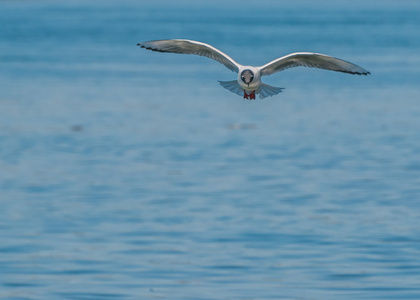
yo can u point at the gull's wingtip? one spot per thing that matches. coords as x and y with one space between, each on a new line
363 73
354 72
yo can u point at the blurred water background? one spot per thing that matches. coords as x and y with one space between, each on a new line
129 174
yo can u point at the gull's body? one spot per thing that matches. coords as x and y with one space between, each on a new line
249 82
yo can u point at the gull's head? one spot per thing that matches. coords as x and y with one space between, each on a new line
247 76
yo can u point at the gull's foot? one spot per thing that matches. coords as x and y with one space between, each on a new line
250 96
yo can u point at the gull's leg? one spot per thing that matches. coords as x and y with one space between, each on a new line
252 95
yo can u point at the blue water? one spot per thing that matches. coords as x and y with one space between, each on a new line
129 174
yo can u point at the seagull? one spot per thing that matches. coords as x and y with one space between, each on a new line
249 82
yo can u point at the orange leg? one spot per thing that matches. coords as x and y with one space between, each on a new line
249 96
252 95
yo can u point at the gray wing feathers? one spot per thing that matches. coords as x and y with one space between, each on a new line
191 47
311 60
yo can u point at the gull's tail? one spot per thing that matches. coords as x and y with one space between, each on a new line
232 86
266 90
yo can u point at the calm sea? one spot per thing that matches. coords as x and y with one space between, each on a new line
130 174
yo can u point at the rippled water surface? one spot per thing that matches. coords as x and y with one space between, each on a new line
129 174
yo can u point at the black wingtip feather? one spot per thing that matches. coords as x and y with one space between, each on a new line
354 73
151 48
154 49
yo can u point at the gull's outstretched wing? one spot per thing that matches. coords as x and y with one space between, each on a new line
311 60
191 47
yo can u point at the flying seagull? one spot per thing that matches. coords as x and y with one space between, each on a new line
249 78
